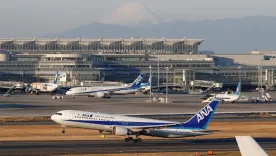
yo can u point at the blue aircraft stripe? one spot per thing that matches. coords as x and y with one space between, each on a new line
121 123
116 89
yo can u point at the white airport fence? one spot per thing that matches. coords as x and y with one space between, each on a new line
157 99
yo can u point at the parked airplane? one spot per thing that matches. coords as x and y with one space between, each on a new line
249 147
39 87
126 126
145 87
105 91
228 96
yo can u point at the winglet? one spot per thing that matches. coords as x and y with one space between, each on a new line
249 147
201 119
238 90
56 78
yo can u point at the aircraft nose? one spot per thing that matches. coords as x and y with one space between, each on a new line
53 117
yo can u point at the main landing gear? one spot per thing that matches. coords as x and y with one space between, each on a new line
129 139
63 130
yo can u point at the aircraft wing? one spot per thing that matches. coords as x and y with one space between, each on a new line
152 127
110 91
249 147
190 133
184 133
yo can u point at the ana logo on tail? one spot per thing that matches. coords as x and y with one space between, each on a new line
203 113
139 78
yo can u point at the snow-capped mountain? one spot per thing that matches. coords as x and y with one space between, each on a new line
134 14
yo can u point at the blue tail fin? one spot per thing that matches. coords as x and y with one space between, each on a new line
238 90
56 78
201 119
138 81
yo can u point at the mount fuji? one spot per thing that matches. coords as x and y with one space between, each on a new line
134 14
228 35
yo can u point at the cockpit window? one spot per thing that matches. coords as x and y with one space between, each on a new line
58 113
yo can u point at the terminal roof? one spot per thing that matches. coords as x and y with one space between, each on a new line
103 41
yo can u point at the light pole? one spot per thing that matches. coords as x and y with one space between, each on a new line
158 73
21 72
259 80
261 75
150 77
167 69
240 73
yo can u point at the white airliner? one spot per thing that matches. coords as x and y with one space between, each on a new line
38 87
249 147
143 87
102 92
226 97
127 126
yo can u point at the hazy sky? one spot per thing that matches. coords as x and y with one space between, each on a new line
26 18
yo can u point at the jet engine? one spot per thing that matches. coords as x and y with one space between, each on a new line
36 92
28 90
100 95
121 131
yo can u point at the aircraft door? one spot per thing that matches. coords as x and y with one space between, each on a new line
70 116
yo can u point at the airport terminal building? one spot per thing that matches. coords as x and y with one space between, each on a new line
79 60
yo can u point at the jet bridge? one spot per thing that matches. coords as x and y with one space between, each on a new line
10 90
204 86
10 84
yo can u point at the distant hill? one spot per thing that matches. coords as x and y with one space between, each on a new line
231 35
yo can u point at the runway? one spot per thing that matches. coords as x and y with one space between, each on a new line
44 105
118 146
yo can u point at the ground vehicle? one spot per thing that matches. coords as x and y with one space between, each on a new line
57 97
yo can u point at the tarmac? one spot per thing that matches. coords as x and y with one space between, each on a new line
119 146
44 105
